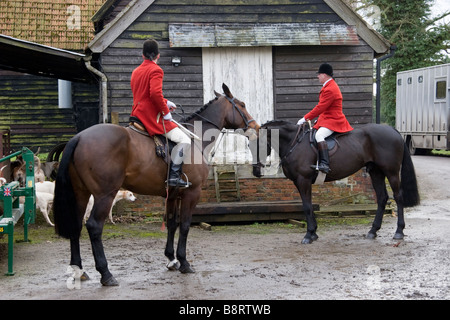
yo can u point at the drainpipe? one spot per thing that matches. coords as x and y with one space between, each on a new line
378 81
104 88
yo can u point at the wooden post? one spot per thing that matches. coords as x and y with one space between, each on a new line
115 117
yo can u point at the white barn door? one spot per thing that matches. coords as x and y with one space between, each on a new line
247 71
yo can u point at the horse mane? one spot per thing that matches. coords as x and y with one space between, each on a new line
200 110
276 122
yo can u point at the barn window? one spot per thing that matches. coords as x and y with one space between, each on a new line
441 89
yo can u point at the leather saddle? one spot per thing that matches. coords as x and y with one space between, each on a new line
163 146
332 141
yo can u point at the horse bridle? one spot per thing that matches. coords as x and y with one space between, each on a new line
246 121
235 107
294 143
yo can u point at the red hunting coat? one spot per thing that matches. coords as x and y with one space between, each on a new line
329 109
149 104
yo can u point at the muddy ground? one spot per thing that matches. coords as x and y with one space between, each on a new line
257 261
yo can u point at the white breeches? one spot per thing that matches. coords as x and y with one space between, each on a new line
322 133
183 143
178 136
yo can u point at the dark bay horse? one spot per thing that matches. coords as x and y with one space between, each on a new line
105 157
379 148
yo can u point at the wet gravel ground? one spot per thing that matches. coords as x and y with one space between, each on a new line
265 262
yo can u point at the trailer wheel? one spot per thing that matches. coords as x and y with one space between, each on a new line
413 150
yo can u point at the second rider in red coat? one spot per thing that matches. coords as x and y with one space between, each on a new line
329 110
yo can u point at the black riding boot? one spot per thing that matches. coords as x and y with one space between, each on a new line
324 162
175 171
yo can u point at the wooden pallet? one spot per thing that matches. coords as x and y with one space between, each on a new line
249 211
256 211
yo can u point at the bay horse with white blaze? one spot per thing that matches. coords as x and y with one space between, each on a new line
379 148
105 157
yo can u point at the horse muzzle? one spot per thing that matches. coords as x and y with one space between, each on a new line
257 169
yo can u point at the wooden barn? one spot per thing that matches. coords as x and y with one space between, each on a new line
267 52
46 92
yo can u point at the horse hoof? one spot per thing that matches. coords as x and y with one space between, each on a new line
111 282
307 241
187 269
371 236
173 265
84 277
398 236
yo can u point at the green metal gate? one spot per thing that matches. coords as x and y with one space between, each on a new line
13 209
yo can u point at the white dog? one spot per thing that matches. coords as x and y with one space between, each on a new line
44 198
45 186
39 175
44 203
121 194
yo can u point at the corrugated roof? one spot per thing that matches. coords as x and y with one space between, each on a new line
57 23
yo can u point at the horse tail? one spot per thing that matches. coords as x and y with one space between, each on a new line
66 219
410 192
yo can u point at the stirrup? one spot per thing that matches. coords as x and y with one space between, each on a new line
321 168
178 182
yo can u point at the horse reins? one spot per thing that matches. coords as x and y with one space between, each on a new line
235 107
296 141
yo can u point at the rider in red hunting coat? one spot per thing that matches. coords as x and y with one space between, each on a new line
329 110
153 110
149 105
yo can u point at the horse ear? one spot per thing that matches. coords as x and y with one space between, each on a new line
217 94
227 91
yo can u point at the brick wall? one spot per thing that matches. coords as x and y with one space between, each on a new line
354 189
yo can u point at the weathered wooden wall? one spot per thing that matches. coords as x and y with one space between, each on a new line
183 84
295 84
29 108
297 87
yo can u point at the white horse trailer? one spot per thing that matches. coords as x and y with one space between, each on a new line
423 108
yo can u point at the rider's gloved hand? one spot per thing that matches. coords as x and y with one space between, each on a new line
172 106
301 121
168 117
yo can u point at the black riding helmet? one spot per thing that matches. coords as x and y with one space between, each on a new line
150 49
326 68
